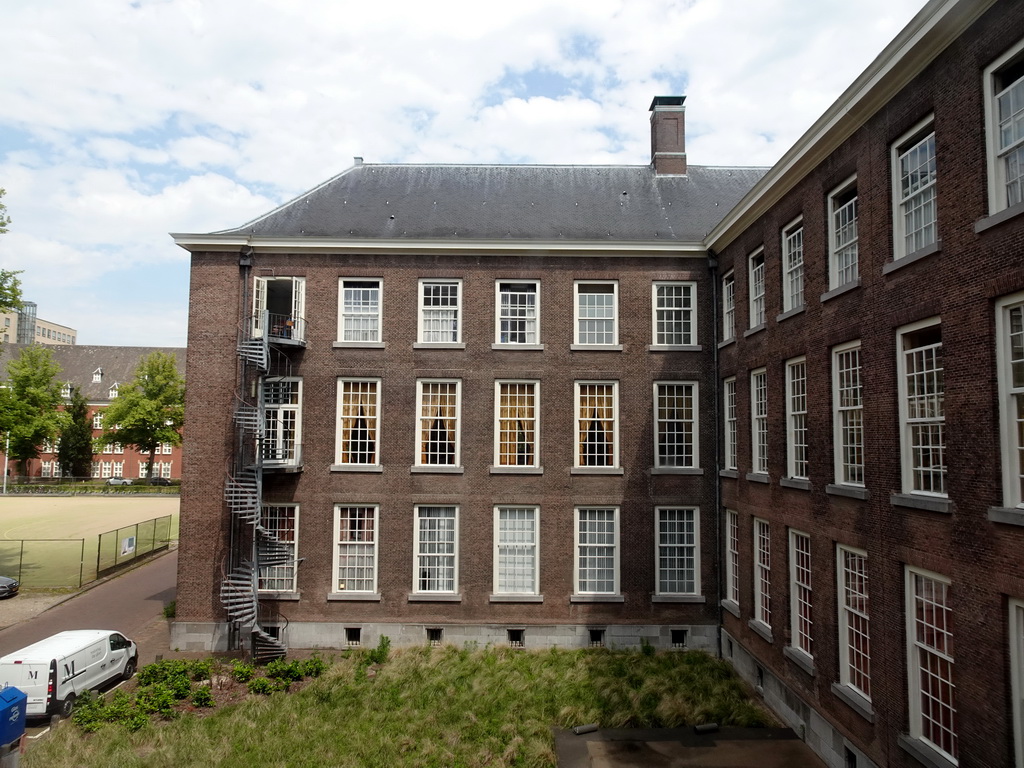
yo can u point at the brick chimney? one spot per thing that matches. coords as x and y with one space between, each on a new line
668 136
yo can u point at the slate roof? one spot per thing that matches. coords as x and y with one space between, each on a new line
510 202
78 361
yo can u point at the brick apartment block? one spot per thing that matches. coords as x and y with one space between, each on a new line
770 413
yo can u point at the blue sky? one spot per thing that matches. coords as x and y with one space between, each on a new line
125 120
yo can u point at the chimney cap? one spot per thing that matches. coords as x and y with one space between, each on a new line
667 101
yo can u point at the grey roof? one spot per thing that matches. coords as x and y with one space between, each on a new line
79 361
510 202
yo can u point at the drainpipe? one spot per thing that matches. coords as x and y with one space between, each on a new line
713 270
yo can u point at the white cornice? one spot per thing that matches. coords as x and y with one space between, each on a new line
235 243
929 33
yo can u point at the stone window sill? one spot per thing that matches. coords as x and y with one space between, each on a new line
438 470
849 491
839 291
927 503
678 599
355 597
763 630
758 477
998 218
675 348
799 483
731 607
595 347
801 659
517 598
426 597
517 470
356 468
280 596
439 345
728 473
518 347
596 599
1008 516
756 329
854 701
358 345
677 471
790 313
924 753
911 258
597 471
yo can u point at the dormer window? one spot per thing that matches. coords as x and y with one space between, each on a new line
65 391
113 391
97 376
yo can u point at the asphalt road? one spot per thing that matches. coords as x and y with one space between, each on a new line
128 603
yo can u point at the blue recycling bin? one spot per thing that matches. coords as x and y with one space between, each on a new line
13 703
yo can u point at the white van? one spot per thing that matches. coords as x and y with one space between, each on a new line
54 671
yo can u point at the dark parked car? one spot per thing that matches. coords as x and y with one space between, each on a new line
159 481
8 587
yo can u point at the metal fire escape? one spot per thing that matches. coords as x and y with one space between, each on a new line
255 547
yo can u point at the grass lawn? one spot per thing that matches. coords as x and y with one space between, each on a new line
426 707
46 564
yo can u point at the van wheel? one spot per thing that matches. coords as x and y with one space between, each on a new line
66 707
129 670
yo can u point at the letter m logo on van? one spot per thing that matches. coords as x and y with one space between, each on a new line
69 670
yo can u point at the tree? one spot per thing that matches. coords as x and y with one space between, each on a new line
10 288
5 220
75 451
148 411
29 403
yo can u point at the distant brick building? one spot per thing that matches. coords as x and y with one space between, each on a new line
773 415
99 372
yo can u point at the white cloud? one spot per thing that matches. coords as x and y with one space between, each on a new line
130 119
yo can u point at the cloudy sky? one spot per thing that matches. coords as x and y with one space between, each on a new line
124 120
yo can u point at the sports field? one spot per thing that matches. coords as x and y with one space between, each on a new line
62 534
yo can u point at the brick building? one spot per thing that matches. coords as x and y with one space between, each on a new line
98 372
775 415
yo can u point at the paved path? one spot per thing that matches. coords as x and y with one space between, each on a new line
131 603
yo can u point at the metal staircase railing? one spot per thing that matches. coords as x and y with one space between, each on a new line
243 491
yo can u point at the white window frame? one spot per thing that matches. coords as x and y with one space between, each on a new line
360 544
669 422
732 557
369 313
506 442
681 544
580 427
848 414
106 469
762 560
424 424
731 425
580 319
587 549
286 573
449 314
278 325
999 198
65 391
759 421
936 645
843 236
281 444
112 392
854 616
97 420
914 199
143 465
756 288
517 548
1016 626
508 318
350 389
1010 355
793 265
118 469
423 552
914 470
797 458
729 306
801 593
682 313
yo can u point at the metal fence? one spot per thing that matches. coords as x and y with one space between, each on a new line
72 563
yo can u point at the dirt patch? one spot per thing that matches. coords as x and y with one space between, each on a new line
28 605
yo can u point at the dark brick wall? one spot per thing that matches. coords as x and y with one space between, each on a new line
215 300
959 284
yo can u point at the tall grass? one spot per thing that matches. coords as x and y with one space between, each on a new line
428 707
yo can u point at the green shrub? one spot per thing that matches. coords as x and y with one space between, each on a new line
156 699
179 686
380 654
242 671
161 671
262 685
279 669
203 697
170 609
313 667
200 669
88 713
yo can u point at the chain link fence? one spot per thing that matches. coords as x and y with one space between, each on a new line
73 563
